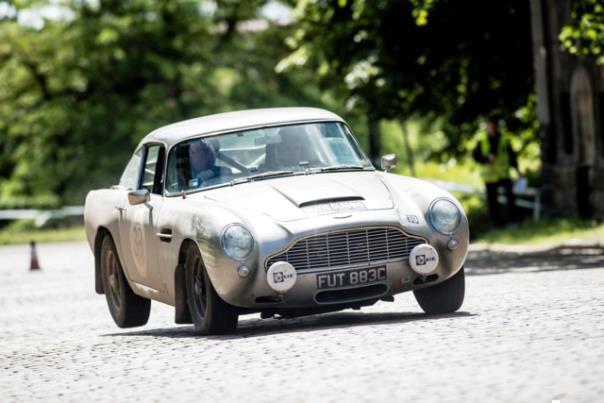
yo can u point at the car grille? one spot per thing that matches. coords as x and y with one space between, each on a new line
357 246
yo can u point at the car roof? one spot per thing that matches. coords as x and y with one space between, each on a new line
230 121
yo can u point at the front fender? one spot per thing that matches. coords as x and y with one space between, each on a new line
415 195
204 223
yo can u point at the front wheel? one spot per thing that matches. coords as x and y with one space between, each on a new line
445 297
126 308
210 314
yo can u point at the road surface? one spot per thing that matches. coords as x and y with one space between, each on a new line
531 330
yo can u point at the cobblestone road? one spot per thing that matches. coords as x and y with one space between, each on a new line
529 330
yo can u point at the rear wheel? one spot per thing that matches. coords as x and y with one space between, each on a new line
445 297
126 308
210 314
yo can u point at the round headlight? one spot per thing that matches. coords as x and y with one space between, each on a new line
237 242
445 216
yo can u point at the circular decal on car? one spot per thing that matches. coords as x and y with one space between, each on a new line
423 259
137 245
281 276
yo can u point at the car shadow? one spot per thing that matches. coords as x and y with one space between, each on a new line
496 262
256 327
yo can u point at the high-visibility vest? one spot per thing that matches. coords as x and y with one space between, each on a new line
500 169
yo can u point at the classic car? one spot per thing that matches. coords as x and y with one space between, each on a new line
271 211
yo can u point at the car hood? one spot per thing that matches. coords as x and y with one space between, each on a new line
298 197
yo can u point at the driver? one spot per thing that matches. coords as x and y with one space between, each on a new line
202 157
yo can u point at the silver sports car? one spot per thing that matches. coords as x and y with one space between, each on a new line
274 211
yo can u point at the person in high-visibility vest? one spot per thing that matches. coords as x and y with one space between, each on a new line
496 156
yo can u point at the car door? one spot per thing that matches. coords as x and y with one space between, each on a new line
138 226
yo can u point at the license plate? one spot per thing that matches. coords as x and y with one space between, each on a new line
350 278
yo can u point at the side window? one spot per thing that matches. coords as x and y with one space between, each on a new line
129 179
153 169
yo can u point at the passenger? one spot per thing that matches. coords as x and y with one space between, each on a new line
289 152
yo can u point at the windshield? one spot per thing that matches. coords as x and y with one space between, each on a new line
262 153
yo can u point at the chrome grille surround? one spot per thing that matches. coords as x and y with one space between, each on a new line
350 247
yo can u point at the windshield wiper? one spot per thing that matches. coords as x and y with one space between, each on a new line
264 175
346 167
269 174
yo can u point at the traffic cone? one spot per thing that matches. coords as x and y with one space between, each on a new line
33 265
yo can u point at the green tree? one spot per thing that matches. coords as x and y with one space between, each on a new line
584 35
80 91
394 59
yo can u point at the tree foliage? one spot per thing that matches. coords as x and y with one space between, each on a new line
78 92
430 58
584 35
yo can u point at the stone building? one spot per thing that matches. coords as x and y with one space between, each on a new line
570 100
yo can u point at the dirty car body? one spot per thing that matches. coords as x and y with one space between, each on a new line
284 215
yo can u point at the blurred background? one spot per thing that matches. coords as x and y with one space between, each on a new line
82 81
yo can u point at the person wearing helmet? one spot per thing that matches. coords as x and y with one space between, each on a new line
202 157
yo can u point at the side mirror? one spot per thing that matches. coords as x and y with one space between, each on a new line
388 162
139 196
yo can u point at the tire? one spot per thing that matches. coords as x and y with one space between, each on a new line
210 314
126 308
445 297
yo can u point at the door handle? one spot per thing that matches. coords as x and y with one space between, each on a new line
165 235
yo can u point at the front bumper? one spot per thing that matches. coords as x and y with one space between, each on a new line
306 293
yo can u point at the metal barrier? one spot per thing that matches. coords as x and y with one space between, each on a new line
532 194
41 217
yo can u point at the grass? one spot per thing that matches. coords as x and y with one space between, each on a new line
467 174
544 233
11 236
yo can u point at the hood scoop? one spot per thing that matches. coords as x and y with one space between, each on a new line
318 190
